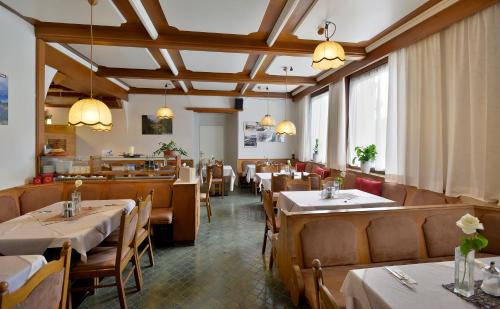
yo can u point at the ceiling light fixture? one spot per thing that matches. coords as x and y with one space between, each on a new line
91 112
328 54
165 112
267 120
286 127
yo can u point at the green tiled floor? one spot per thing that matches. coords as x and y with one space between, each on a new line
225 269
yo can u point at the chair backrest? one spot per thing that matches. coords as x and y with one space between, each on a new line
269 209
144 211
424 197
442 234
278 182
126 240
263 168
298 185
48 286
217 171
9 207
209 186
314 181
324 298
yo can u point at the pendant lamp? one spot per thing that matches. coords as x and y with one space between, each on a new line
286 127
90 111
328 54
165 112
267 120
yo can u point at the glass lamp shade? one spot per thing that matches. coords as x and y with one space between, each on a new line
286 127
90 112
164 113
328 55
267 121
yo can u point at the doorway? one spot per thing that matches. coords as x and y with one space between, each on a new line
212 142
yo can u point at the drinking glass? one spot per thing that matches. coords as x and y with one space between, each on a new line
76 199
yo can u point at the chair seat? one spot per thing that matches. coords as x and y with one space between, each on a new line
161 215
217 180
141 235
112 238
97 258
332 278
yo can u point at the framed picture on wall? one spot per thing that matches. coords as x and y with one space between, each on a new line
154 126
4 100
250 133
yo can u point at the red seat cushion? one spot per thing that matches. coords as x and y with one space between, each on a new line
300 167
321 171
369 185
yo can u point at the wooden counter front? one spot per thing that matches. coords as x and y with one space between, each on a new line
186 201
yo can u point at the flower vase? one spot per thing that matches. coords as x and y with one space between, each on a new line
76 198
464 273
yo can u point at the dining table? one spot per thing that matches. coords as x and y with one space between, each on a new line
264 179
378 288
17 270
249 172
36 231
299 201
227 172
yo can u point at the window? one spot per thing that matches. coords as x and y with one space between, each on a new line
318 125
368 99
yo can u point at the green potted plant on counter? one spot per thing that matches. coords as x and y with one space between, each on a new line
365 155
170 149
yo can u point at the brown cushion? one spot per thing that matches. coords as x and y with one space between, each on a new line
161 215
46 295
99 257
349 181
162 194
203 197
425 197
36 198
121 191
332 278
90 192
491 222
8 208
442 234
333 242
393 239
394 192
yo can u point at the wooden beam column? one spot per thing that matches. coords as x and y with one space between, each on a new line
39 103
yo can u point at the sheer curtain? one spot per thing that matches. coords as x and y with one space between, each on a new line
305 151
368 97
444 110
318 124
336 150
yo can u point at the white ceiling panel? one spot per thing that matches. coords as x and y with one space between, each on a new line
148 83
120 57
71 12
214 86
201 61
274 88
356 20
219 16
301 66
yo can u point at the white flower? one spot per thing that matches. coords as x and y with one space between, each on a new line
343 174
78 183
469 224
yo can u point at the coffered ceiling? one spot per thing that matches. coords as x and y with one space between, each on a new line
230 47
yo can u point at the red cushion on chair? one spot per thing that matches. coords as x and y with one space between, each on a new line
300 167
369 185
321 171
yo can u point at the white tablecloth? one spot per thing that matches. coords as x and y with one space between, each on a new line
264 179
16 270
249 172
376 288
31 234
297 201
228 172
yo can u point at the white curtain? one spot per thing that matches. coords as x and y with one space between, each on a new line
444 110
304 153
368 99
336 152
318 124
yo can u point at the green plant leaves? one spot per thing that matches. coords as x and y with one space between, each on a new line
476 242
365 154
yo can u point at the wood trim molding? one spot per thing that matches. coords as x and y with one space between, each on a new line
39 102
212 110
196 92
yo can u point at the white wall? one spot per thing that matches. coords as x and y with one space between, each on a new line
254 110
17 61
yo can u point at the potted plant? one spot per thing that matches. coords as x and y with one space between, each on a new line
170 149
365 155
316 150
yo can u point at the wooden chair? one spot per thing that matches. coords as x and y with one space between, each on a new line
278 184
112 261
217 174
314 180
324 298
47 287
205 198
143 233
272 224
298 185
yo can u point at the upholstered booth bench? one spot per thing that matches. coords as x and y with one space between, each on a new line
174 202
362 238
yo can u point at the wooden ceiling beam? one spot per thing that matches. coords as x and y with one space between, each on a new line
204 76
182 40
213 110
156 91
